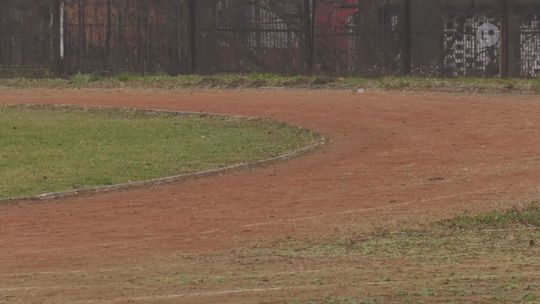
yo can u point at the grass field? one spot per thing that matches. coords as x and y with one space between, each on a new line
257 80
47 149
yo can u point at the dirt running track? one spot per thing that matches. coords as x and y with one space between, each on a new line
392 158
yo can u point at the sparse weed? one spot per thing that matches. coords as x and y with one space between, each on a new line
529 216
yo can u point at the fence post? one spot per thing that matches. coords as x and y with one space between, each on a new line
178 39
57 43
407 38
309 8
81 29
192 16
108 35
505 41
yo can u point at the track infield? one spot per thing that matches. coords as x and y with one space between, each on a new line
393 160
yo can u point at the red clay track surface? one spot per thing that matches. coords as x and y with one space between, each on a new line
392 158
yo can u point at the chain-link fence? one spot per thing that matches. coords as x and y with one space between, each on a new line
338 37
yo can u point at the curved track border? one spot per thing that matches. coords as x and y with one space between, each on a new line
320 142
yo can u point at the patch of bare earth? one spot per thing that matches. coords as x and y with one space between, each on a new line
393 160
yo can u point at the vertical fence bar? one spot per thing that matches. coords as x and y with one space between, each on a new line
193 35
313 33
441 51
309 23
406 38
146 37
178 35
63 30
1 33
505 40
64 48
52 40
56 40
80 9
108 35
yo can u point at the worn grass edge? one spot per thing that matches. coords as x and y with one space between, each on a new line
505 220
320 141
98 80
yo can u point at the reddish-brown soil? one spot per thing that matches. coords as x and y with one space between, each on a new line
392 158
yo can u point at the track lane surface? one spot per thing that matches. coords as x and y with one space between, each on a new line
392 158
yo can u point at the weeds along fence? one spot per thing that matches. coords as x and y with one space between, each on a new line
339 37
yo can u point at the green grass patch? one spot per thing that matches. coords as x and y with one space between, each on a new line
529 216
258 80
47 149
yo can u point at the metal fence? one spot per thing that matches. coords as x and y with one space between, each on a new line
340 37
251 35
125 35
24 36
